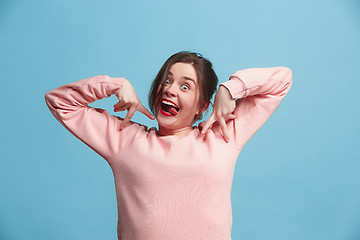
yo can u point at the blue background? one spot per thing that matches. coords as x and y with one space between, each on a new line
297 178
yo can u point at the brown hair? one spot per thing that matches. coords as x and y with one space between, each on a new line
206 75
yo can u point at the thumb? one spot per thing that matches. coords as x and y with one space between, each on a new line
208 124
127 118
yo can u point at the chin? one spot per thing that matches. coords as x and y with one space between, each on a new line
165 122
168 123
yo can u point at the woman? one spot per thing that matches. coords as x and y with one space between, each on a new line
174 182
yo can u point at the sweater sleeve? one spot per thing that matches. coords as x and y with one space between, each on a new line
259 92
93 126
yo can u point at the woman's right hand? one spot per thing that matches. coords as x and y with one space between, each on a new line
128 100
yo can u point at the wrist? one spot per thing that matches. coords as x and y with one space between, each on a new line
236 87
225 91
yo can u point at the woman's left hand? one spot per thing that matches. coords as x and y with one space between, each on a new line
224 107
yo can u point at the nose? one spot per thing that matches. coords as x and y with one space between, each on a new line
170 90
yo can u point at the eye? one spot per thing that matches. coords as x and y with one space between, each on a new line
185 87
167 81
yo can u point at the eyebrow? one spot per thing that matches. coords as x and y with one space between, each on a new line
185 77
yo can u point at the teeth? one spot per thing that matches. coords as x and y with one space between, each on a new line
169 103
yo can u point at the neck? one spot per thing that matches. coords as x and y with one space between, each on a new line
181 132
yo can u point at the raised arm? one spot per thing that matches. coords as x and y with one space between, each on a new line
95 127
258 92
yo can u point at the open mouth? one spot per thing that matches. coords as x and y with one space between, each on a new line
168 108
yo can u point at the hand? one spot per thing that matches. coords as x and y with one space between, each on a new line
128 100
224 107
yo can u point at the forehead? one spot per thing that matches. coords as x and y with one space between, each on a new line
183 70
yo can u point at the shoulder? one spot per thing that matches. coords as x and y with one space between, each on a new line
132 128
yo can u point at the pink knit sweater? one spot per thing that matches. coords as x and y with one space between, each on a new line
169 187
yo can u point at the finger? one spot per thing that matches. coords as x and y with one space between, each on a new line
117 105
120 105
208 124
120 109
127 118
224 129
232 116
146 112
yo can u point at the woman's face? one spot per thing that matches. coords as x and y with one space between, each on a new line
179 100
